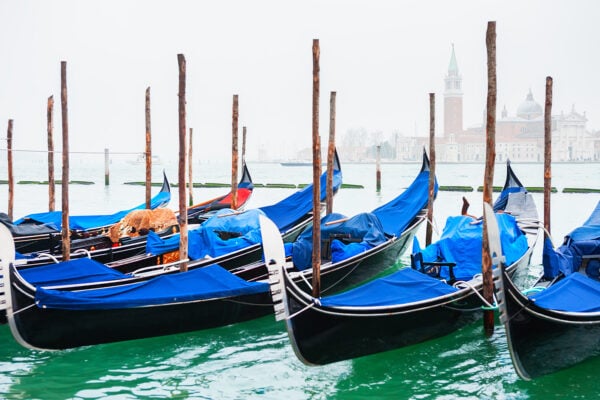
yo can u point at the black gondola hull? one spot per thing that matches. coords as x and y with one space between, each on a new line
541 341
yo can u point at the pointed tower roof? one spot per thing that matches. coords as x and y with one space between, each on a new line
453 66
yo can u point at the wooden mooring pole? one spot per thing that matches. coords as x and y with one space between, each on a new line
244 145
330 154
316 243
234 151
11 179
547 155
486 260
66 234
106 167
378 169
429 230
183 237
51 181
148 153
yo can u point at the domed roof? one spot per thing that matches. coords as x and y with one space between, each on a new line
529 109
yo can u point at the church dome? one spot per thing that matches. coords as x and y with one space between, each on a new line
529 109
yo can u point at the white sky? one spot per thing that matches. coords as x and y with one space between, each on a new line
381 57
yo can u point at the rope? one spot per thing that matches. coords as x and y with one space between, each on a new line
73 152
299 312
487 305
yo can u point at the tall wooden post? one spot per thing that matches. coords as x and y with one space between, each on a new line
66 238
330 153
244 145
190 167
183 237
316 244
547 154
429 230
234 151
106 168
11 180
51 182
148 153
378 169
486 260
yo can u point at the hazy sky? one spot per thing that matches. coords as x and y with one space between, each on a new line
381 57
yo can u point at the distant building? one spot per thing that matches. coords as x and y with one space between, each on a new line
519 137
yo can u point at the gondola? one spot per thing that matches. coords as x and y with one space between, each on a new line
112 307
102 248
412 305
556 323
42 231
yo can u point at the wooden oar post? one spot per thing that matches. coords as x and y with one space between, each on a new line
547 154
486 260
9 158
234 151
51 182
148 152
316 244
66 234
330 154
183 229
429 230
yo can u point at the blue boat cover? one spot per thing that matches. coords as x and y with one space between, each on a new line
396 215
86 222
211 282
81 270
575 293
461 243
288 211
366 230
584 240
402 287
226 231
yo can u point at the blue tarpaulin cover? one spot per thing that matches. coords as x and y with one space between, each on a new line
402 287
285 213
85 222
198 284
461 243
584 240
205 240
367 230
80 270
575 293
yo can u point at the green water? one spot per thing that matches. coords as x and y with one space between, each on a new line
255 360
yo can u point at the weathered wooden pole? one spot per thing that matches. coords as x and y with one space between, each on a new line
316 244
183 234
234 151
378 169
190 179
66 234
148 153
429 230
244 145
51 182
106 167
486 260
547 154
330 154
11 180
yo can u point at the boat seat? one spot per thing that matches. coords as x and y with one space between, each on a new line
431 268
342 237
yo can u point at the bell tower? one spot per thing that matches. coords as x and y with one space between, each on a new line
453 104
